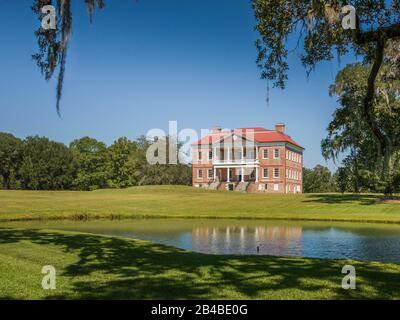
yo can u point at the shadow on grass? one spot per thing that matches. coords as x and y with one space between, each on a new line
116 268
363 199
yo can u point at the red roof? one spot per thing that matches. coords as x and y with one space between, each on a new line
261 135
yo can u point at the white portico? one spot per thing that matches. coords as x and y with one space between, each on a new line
235 159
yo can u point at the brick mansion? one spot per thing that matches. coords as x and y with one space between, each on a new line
248 160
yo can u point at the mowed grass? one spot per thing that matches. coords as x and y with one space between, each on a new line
99 267
188 202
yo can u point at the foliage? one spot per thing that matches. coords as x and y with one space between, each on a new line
10 157
343 179
53 44
318 180
121 163
318 26
369 160
90 156
46 165
87 164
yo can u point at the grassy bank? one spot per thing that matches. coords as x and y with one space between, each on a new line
188 202
98 267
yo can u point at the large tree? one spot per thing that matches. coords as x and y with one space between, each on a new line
10 157
91 159
318 26
46 165
348 131
318 179
121 161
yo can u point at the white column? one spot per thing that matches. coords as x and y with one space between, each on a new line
242 154
215 154
228 178
215 174
242 174
256 153
229 154
256 174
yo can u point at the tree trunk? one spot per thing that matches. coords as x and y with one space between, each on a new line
356 175
388 174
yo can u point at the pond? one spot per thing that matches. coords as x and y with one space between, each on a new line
376 242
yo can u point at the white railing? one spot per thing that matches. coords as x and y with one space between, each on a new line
235 161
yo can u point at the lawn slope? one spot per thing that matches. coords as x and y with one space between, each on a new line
99 267
188 202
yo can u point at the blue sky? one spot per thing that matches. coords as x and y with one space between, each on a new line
143 63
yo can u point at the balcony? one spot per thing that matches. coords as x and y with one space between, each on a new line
243 161
235 156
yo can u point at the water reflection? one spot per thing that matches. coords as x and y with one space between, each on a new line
275 240
376 242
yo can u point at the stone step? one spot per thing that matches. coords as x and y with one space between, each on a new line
242 186
214 185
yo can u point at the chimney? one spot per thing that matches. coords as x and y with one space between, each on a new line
216 129
280 127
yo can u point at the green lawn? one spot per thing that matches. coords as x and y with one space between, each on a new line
181 202
93 266
99 267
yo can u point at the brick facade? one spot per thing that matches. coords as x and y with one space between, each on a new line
271 161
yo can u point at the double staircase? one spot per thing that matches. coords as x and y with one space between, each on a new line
213 185
242 186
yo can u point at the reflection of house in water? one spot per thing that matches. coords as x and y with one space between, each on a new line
270 239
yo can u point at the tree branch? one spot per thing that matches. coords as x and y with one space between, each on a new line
369 97
390 32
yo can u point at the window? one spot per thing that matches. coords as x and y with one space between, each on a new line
287 155
200 174
276 154
265 153
210 173
199 156
276 187
210 155
276 173
266 186
265 173
287 173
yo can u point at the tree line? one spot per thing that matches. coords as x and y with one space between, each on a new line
37 163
